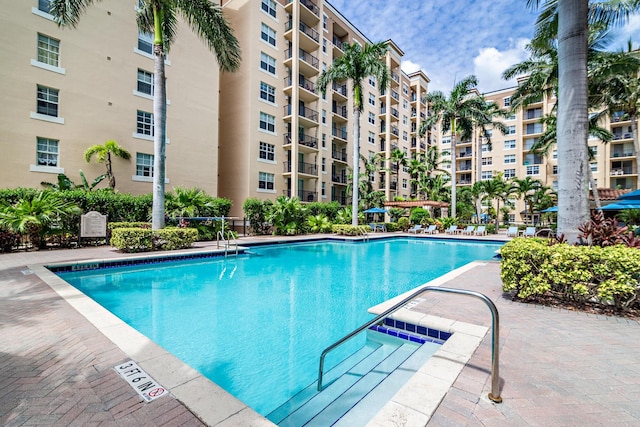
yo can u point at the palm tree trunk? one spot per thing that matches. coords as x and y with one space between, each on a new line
573 207
356 167
159 126
112 178
453 170
594 189
636 144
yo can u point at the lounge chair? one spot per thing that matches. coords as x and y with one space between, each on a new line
529 232
432 229
469 230
451 230
416 229
481 231
512 231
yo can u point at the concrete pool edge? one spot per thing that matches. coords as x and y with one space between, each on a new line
198 393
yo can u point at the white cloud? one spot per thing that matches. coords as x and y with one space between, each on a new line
410 67
630 31
490 63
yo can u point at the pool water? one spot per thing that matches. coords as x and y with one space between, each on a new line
256 324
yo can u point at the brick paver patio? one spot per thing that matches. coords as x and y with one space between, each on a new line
558 367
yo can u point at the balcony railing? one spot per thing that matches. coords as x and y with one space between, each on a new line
303 195
341 89
303 167
622 154
464 154
302 82
306 140
623 171
340 199
395 131
617 136
383 146
338 43
339 155
340 133
395 95
305 56
340 179
310 32
395 77
340 110
303 112
394 112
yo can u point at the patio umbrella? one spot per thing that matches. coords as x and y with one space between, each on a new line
623 204
551 209
634 195
375 210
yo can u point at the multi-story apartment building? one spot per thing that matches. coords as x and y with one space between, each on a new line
279 135
66 89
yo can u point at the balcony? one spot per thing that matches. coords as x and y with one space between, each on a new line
339 155
303 195
340 110
338 43
340 89
394 112
339 133
622 154
393 186
623 171
395 77
395 95
339 179
309 64
395 131
618 136
303 111
464 154
303 167
306 140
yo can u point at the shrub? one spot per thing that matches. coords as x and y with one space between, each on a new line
403 224
256 211
8 240
491 228
532 267
113 225
419 216
144 239
350 230
319 224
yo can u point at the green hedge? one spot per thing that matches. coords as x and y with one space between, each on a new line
113 225
609 275
144 239
350 230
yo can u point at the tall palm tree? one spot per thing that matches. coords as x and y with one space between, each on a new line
417 167
489 113
369 196
398 158
356 64
456 114
160 17
568 21
103 155
526 188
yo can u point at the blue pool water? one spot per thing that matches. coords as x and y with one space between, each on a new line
256 324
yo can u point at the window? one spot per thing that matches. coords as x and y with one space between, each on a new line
529 143
267 92
488 133
144 123
405 89
405 135
372 81
324 21
404 183
594 166
554 185
267 122
44 5
372 138
267 63
145 82
372 118
268 34
269 6
533 170
144 164
554 154
511 117
405 104
405 120
594 150
265 181
509 158
372 99
324 165
511 130
533 159
509 173
47 101
510 144
145 42
324 45
534 128
267 151
555 170
324 117
48 50
324 140
487 161
485 148
484 175
47 152
507 101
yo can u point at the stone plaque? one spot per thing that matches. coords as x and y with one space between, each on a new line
93 224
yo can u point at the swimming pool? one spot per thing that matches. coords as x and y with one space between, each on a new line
256 324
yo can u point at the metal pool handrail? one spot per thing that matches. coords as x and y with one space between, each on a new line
494 395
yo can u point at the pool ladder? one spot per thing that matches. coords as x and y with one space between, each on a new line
494 395
225 242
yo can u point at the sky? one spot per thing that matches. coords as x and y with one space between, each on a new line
453 39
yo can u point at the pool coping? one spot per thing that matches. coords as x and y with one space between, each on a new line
417 400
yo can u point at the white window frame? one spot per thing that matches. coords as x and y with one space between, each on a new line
510 144
267 62
48 99
144 165
267 123
486 161
267 93
267 152
148 80
511 130
268 34
144 40
372 138
509 173
269 7
486 175
533 170
506 101
47 156
266 182
372 118
509 159
372 99
48 51
144 123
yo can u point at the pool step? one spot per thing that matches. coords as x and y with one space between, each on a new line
367 369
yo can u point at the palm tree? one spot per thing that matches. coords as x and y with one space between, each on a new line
103 155
525 188
398 158
457 113
489 112
160 17
369 196
417 167
568 22
356 64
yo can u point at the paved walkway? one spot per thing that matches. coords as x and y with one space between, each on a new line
558 367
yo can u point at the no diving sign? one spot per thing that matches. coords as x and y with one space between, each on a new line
140 381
